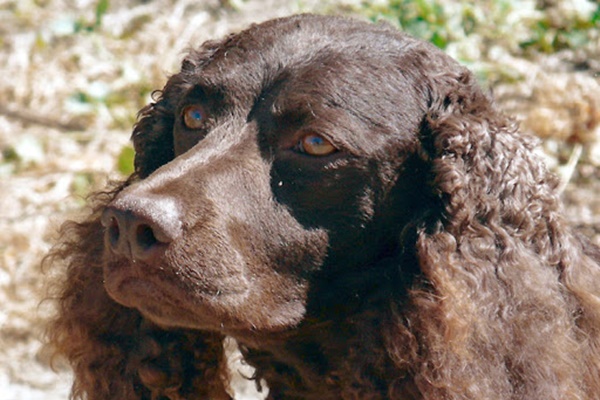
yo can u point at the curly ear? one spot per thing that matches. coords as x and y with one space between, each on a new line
491 316
114 352
93 332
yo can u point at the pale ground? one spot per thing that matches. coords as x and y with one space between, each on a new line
56 147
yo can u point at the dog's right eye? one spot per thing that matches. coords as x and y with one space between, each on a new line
194 116
315 145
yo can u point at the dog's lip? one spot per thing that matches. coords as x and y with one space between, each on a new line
132 283
156 303
153 296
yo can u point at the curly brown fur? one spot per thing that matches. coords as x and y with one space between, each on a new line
422 255
116 353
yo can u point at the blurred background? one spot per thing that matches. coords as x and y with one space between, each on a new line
73 74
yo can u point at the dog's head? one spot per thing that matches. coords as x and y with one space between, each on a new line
298 150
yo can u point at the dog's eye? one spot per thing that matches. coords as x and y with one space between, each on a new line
315 145
194 116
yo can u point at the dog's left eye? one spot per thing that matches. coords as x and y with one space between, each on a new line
315 145
194 116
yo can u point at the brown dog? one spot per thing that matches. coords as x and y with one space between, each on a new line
345 202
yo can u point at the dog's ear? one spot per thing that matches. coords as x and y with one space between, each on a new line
483 171
89 329
497 202
496 258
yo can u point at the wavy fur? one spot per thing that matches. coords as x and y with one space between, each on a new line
481 291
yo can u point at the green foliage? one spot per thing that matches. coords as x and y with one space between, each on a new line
125 160
101 9
27 150
426 19
549 34
517 25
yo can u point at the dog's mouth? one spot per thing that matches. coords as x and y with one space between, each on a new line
172 299
232 304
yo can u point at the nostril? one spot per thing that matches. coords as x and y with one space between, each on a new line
140 228
114 229
144 236
113 232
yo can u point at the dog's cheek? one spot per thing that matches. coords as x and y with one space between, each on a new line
280 258
337 200
248 265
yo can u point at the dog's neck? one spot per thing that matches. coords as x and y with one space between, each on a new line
341 344
322 360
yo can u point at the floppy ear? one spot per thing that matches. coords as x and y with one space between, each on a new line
491 314
90 330
114 352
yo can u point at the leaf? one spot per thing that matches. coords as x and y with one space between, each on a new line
125 161
101 9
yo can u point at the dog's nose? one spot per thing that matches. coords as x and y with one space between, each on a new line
140 228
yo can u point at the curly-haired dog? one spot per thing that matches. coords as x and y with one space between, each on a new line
345 202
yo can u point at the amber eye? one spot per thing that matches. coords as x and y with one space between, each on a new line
194 116
315 145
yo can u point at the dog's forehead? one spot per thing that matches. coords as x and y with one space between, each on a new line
316 64
253 59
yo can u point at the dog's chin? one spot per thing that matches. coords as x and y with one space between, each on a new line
235 310
231 314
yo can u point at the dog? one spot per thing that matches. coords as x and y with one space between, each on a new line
346 203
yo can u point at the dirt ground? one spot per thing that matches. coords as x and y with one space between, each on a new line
71 85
